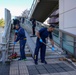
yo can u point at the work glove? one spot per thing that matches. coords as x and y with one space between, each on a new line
16 31
53 48
41 40
14 43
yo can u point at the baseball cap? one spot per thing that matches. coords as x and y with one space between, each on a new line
53 26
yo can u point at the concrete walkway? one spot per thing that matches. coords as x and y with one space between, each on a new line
4 69
54 67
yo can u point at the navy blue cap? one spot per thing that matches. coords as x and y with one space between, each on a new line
53 26
18 25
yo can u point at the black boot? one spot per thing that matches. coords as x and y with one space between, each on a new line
36 62
44 62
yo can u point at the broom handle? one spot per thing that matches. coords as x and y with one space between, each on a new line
46 45
13 48
14 40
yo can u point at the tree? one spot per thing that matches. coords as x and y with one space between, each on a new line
2 22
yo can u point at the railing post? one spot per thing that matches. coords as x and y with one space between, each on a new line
75 47
61 41
3 56
3 49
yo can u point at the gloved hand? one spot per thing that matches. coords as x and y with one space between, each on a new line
14 43
16 31
53 48
41 40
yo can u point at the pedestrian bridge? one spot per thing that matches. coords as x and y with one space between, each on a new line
60 61
41 9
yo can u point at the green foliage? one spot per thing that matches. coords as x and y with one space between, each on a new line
2 22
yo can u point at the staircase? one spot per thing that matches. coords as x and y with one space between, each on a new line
30 45
58 53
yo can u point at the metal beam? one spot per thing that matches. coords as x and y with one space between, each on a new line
43 9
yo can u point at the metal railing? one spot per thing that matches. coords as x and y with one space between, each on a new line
5 42
34 4
65 40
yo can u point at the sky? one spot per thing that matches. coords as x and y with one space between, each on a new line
16 7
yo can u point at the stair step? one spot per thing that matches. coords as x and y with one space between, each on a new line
55 52
10 48
52 53
56 56
10 51
11 44
11 40
19 50
16 47
28 54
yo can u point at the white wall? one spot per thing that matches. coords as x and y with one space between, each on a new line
67 15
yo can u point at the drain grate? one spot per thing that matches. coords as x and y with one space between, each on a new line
48 68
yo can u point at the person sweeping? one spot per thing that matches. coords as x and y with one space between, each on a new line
42 34
21 37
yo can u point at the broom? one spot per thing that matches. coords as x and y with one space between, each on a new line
14 54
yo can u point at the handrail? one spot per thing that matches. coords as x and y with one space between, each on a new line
69 40
5 42
65 32
64 39
55 34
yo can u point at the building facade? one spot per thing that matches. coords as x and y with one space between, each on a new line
67 15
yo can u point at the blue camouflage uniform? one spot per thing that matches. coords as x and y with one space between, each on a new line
22 37
43 34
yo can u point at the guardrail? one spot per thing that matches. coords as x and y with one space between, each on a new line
34 4
65 40
5 43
